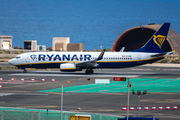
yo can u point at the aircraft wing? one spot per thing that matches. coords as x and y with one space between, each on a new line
91 63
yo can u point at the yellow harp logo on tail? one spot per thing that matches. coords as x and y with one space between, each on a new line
159 40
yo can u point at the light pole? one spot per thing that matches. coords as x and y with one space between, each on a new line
78 108
61 101
139 93
129 85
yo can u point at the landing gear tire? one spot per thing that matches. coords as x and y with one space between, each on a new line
25 71
89 71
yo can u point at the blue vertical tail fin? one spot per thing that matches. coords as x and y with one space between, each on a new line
156 43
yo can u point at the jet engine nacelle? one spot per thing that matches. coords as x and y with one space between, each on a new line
69 67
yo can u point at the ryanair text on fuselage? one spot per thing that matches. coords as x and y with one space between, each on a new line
63 57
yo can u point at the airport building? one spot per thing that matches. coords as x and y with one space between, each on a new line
32 45
60 43
5 42
63 44
41 47
136 37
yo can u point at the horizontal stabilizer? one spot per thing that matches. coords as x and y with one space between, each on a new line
162 54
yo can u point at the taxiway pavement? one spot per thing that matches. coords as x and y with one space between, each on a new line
24 95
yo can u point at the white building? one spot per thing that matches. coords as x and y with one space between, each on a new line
5 42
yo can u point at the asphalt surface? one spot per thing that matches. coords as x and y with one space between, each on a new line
4 64
24 95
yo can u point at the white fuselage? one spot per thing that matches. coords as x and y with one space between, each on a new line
109 60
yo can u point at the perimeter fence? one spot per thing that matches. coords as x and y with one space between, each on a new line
38 115
56 115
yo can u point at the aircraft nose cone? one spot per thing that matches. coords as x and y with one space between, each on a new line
10 62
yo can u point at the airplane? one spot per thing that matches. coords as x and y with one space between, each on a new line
77 61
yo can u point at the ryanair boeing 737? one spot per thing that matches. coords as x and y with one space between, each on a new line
77 61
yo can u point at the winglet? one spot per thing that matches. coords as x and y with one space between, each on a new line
101 55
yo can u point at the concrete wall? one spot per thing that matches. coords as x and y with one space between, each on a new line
34 45
5 42
60 43
74 46
59 47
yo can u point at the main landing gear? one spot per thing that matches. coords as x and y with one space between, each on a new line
25 71
89 71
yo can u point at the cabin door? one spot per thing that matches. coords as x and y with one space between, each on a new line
27 58
139 58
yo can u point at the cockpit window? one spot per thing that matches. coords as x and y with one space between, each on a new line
17 57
